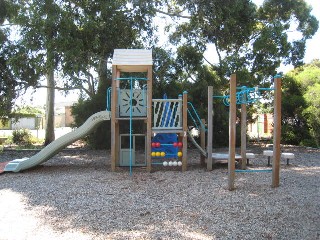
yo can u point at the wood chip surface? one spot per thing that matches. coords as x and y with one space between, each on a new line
76 196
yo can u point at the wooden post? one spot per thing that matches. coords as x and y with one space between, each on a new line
243 132
185 130
203 141
232 132
149 118
113 117
276 132
210 129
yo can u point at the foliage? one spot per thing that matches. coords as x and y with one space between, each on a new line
259 45
27 111
16 72
312 112
300 104
82 110
22 137
76 39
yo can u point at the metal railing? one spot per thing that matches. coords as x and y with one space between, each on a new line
195 117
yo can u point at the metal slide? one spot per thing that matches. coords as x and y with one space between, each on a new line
59 144
201 150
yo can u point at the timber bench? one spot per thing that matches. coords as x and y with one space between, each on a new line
287 156
249 156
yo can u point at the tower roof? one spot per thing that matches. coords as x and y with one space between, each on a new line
132 60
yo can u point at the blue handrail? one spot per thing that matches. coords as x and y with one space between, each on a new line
245 96
108 107
195 117
131 78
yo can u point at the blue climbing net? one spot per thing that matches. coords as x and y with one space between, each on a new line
245 95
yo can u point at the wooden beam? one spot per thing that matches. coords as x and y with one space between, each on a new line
232 132
276 133
149 118
202 141
113 117
210 129
185 130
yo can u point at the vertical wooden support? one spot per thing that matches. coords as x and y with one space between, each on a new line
149 118
185 130
202 141
113 117
276 132
180 135
210 129
243 132
232 132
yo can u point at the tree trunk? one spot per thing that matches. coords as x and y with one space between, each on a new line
49 137
103 83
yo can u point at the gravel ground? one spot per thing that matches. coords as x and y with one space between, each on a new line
76 196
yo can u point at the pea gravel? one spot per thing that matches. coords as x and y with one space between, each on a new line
76 196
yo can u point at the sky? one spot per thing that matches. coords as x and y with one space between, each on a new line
312 52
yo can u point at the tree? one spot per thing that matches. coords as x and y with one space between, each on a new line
77 38
40 24
104 26
295 128
246 38
301 115
309 77
16 71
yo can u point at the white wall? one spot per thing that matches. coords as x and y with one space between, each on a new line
29 123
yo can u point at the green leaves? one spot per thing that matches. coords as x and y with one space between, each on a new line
301 104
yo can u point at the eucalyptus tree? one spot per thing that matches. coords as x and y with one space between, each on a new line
16 71
102 26
249 40
245 37
75 39
42 26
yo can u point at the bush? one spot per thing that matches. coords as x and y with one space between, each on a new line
100 137
308 143
22 137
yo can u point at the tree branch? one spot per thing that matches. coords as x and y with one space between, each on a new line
208 62
8 24
69 89
172 14
60 88
218 53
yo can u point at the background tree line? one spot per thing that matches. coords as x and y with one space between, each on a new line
74 40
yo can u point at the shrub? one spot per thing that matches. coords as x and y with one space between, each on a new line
308 143
22 137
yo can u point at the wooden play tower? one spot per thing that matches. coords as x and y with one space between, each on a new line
131 101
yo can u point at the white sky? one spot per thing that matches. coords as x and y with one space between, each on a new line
312 52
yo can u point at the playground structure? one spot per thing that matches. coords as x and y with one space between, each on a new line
162 123
243 97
